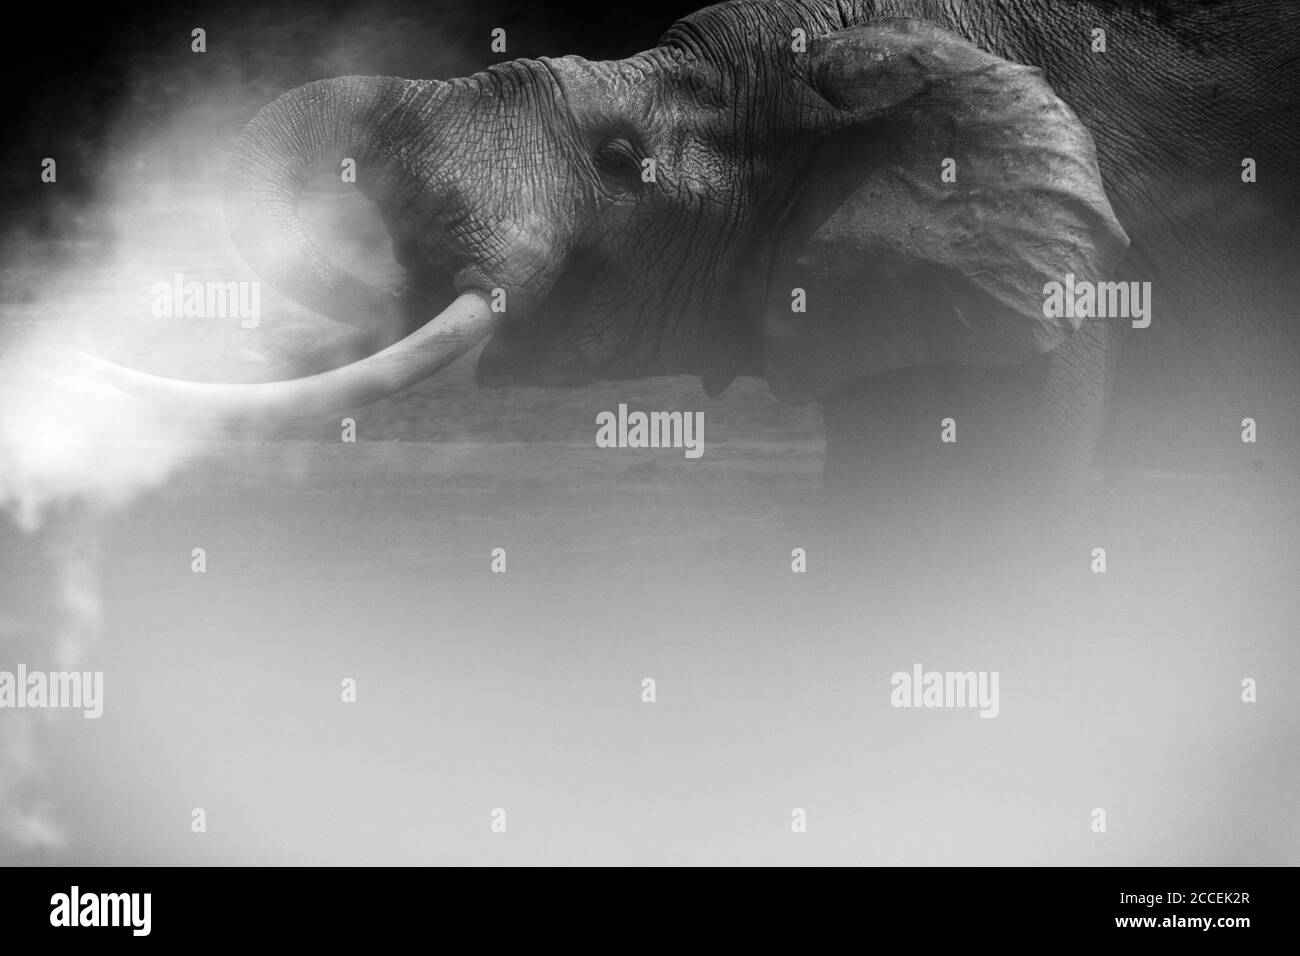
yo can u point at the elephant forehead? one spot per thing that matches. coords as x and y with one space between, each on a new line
586 83
643 85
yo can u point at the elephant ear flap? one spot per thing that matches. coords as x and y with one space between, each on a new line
949 187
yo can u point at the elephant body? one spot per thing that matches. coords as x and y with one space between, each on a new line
660 214
1175 105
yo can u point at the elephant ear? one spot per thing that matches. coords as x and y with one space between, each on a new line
901 268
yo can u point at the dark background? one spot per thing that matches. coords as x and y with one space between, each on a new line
70 78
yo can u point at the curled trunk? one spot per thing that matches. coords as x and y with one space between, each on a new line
307 132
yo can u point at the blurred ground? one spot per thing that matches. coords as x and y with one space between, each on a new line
476 690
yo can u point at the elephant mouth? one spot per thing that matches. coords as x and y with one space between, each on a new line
553 346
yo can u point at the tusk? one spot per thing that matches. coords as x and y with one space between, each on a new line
433 346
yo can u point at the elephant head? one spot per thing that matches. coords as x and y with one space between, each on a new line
767 192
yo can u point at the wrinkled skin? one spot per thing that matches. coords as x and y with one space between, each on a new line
527 177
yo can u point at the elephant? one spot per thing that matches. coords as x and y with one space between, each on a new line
868 203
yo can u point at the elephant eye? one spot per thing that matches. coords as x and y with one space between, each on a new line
617 160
